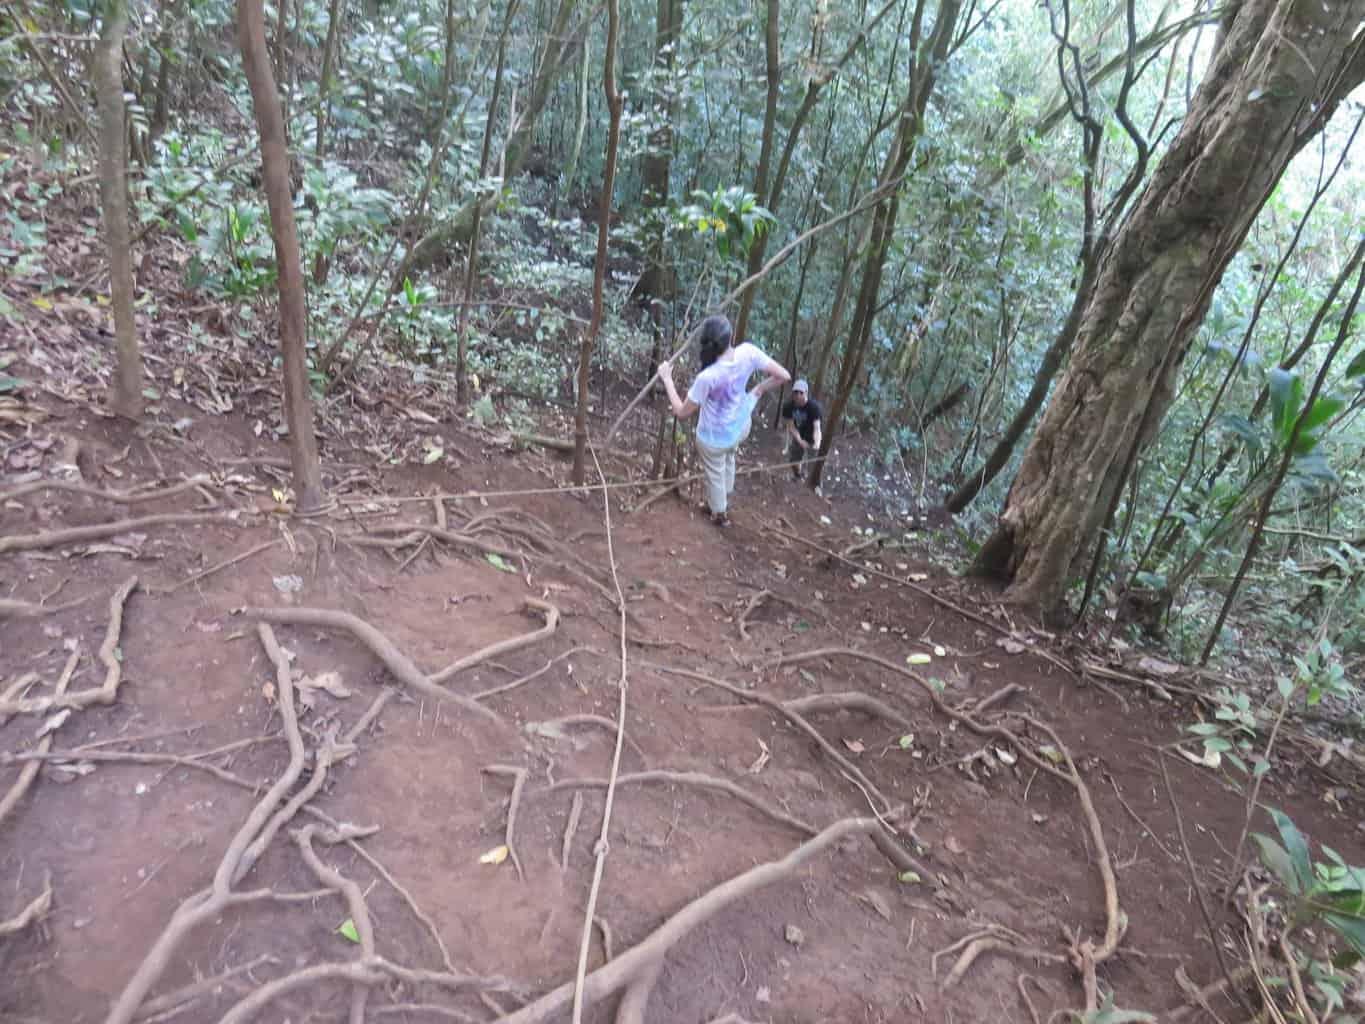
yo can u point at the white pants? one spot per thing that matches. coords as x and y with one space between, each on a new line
718 469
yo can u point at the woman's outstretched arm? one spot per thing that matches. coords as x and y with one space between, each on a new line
682 407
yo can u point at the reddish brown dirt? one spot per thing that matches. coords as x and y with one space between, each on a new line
125 844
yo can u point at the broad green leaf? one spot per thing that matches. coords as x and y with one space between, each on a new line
1357 367
1322 410
348 931
1352 929
1286 395
1296 846
498 562
1275 858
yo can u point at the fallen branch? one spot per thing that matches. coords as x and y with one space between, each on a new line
12 609
107 692
29 771
700 779
225 564
34 911
518 777
989 940
410 533
132 497
637 963
398 663
76 534
757 697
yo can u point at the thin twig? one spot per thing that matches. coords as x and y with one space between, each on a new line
518 777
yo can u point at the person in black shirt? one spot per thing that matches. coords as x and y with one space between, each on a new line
803 415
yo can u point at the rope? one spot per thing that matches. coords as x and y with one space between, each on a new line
601 848
606 485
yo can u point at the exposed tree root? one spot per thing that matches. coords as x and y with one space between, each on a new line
516 643
851 700
412 533
570 829
34 911
182 997
601 721
700 779
608 945
355 900
16 689
991 940
12 609
29 771
77 534
518 777
107 692
1084 954
227 563
133 497
371 713
636 966
1022 984
531 676
369 972
209 903
131 757
398 663
750 606
757 697
998 697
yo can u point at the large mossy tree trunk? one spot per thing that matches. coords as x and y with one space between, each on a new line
658 280
1282 70
298 404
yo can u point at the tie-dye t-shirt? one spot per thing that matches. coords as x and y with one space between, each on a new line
720 392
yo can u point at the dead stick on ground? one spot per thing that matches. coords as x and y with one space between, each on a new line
76 534
227 563
697 779
29 771
758 697
570 829
107 692
35 910
531 676
600 849
400 666
629 967
516 643
209 903
518 777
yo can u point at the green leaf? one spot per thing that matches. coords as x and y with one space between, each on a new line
907 741
1297 847
8 383
1322 410
1286 395
910 877
1352 929
1357 367
347 930
1108 1013
498 562
1275 858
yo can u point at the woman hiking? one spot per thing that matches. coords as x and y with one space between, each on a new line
726 408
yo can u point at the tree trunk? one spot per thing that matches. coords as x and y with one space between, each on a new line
615 101
1258 105
335 13
298 405
925 64
773 79
125 394
657 281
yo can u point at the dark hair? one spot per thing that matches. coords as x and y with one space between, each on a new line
716 336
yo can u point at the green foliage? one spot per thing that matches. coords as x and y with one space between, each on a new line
731 216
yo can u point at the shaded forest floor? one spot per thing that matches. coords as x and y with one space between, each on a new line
138 800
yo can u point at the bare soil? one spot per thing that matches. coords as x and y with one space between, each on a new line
843 939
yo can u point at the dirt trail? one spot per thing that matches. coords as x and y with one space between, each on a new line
848 936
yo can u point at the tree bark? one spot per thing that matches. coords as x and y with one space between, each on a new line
125 395
615 102
657 281
1278 77
335 13
298 405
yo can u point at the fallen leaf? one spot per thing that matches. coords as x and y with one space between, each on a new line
954 847
909 877
348 931
329 682
917 577
794 935
432 455
826 521
761 761
855 746
498 562
1157 667
918 659
940 652
1007 757
1040 819
763 995
907 741
1052 753
420 416
495 856
1010 646
288 584
268 692
54 723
